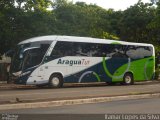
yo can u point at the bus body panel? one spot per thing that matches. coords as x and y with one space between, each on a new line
91 69
95 72
142 69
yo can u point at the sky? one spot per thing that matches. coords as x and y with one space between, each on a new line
114 4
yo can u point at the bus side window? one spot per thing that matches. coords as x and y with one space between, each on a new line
63 49
79 49
138 52
84 49
111 50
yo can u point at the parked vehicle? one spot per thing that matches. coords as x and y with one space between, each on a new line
55 60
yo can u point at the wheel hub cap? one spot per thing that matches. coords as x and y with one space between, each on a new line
128 79
55 81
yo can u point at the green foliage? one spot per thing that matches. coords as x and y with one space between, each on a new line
134 21
109 36
30 18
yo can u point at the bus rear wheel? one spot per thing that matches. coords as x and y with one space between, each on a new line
128 79
56 81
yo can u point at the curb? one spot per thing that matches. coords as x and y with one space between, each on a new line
13 86
76 101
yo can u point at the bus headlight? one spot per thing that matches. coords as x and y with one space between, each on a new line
17 73
25 73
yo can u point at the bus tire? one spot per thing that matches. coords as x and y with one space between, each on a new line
56 81
128 79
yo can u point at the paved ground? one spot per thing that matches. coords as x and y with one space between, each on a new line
141 106
32 94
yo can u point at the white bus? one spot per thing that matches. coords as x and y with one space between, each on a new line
54 60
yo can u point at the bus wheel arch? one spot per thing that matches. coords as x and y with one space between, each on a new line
56 80
128 78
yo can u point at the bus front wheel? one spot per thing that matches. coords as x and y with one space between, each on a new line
56 81
128 79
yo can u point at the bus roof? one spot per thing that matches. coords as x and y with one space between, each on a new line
80 39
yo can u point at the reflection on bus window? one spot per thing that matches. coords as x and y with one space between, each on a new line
100 50
139 52
34 56
29 55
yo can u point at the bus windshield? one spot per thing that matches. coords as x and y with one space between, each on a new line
32 57
29 55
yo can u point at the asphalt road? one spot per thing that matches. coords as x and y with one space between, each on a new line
71 92
93 111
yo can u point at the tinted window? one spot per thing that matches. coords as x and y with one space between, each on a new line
63 49
138 52
33 57
112 50
75 49
100 50
86 49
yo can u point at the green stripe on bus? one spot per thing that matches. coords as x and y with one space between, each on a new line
97 76
105 68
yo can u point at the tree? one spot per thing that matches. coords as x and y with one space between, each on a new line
30 18
154 26
133 25
81 19
37 5
19 22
